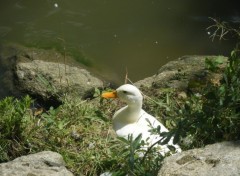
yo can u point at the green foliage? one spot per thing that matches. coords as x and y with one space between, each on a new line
74 130
213 64
213 115
134 158
77 130
207 114
14 118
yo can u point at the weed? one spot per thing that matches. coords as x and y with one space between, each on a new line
13 122
213 64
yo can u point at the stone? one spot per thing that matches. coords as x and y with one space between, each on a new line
44 74
219 159
179 73
48 79
44 163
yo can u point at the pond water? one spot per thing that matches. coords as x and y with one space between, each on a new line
140 35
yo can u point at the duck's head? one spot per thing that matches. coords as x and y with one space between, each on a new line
126 93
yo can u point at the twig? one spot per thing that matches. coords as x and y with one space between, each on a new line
64 53
126 76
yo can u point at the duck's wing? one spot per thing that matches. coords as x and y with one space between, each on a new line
151 122
148 122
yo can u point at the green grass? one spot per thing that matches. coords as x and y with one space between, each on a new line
13 122
79 130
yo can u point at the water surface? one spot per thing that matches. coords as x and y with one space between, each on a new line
140 35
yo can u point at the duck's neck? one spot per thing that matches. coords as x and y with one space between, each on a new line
136 106
134 111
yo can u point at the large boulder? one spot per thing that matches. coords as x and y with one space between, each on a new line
182 73
45 74
44 163
47 79
220 159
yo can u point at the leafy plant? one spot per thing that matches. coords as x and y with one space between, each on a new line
134 159
14 118
214 115
213 64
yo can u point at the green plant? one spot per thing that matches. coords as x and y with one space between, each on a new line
213 115
14 118
213 64
134 159
74 129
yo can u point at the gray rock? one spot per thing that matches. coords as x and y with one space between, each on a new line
44 163
177 73
220 159
47 79
43 73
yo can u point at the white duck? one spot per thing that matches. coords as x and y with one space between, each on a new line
132 119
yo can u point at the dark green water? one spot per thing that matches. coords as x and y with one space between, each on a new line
140 35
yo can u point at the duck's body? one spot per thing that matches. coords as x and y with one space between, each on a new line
133 120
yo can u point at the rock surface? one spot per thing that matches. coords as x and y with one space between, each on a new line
178 73
43 73
220 159
47 78
45 163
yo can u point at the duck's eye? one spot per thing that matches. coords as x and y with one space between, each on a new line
124 92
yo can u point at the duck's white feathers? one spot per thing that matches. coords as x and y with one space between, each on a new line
143 126
132 119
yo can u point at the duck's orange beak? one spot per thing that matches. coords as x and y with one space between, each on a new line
109 94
